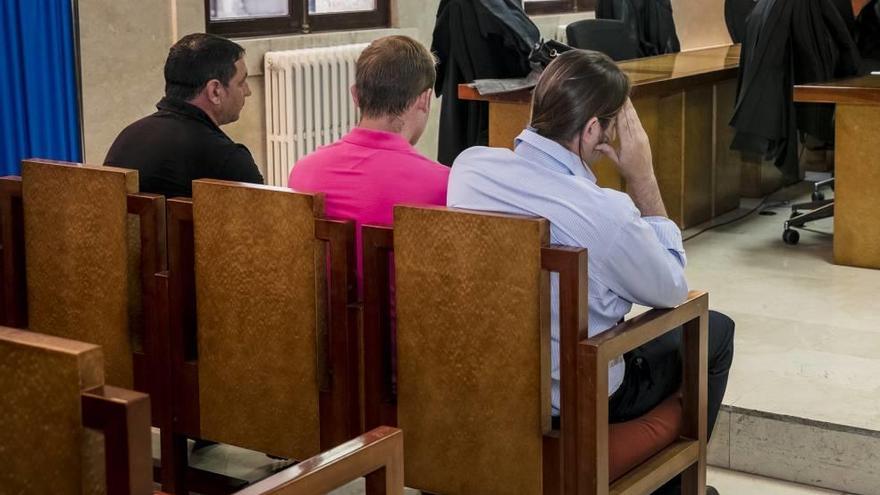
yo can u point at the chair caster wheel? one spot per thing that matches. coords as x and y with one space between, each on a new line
818 196
791 237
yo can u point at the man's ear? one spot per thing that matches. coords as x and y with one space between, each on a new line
213 90
423 102
593 130
354 95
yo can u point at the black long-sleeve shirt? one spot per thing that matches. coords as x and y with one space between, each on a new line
176 145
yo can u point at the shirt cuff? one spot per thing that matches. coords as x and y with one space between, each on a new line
668 234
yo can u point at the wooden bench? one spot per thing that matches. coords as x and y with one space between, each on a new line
473 364
80 251
264 355
63 431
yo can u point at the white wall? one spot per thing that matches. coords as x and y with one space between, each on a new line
700 23
123 44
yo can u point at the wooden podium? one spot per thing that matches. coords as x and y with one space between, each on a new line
856 165
685 101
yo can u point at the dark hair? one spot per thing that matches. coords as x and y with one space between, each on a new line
575 87
196 59
391 73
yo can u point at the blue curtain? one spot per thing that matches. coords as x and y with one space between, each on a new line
39 114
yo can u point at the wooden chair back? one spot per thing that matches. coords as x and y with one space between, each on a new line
473 359
83 246
61 430
264 358
471 300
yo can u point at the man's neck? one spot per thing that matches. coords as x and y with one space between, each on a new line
392 125
206 107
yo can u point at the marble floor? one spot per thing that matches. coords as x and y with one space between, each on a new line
735 483
726 482
808 331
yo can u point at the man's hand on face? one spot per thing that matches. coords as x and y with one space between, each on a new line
633 159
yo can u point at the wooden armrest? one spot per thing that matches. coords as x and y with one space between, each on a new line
377 451
647 327
592 416
124 417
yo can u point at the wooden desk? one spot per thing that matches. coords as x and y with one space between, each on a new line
685 101
856 164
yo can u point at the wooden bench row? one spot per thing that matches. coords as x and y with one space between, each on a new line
238 312
64 431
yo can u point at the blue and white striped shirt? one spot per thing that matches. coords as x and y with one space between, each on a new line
632 259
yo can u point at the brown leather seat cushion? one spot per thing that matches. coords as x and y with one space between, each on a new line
634 442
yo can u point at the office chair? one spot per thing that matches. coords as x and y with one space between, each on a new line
819 207
609 36
802 213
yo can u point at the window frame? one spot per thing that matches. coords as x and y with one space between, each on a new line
559 6
299 21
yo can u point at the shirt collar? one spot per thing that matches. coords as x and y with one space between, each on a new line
186 109
371 138
531 145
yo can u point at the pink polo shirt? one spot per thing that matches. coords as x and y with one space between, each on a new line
366 173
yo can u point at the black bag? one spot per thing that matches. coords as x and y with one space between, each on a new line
544 52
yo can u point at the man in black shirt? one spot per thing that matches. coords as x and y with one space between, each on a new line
205 88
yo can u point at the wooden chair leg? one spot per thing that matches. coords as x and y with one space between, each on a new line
693 479
695 385
375 483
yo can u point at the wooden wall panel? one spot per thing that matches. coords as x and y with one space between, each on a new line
506 121
698 159
759 177
663 119
728 163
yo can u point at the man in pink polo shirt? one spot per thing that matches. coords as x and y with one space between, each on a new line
374 167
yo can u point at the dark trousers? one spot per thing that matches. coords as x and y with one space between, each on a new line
653 373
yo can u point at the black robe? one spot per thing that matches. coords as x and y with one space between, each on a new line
866 31
476 39
789 42
735 14
650 20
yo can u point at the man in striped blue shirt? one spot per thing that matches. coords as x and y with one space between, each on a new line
635 252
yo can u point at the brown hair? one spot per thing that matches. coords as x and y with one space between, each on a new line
391 73
577 86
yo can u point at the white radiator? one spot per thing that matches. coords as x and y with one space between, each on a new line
308 103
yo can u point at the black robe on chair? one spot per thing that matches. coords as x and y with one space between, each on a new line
650 20
789 42
735 14
866 29
476 39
